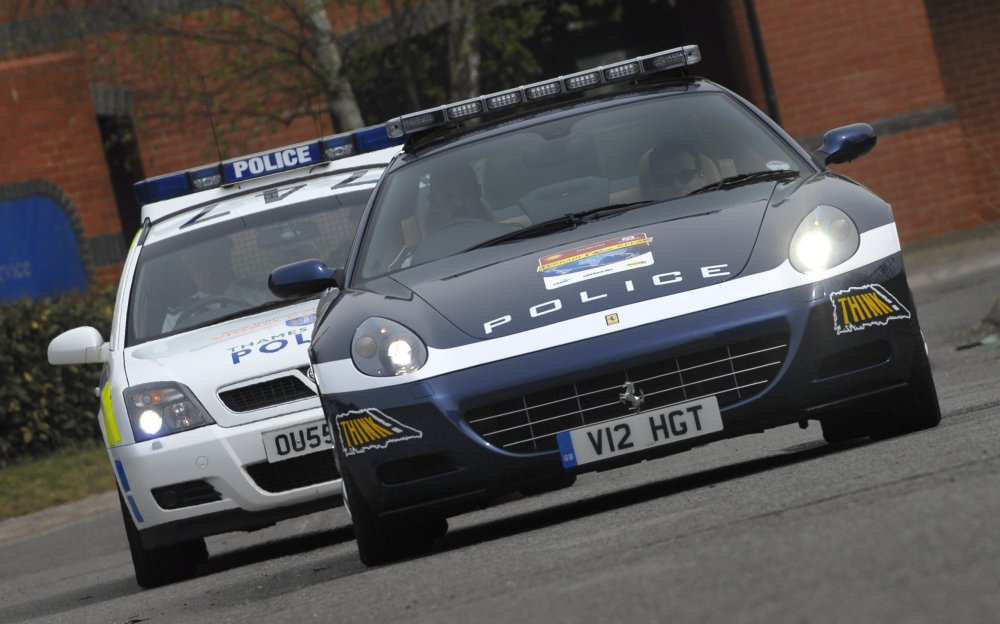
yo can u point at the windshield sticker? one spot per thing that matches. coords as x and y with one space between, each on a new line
859 307
295 319
367 429
244 330
305 318
594 260
778 165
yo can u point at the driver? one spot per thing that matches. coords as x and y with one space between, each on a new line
454 194
209 266
674 170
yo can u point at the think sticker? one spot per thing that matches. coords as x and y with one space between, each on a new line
859 307
367 429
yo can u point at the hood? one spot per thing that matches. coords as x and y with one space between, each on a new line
219 361
639 255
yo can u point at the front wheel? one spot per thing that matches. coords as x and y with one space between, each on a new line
906 410
160 566
386 540
913 408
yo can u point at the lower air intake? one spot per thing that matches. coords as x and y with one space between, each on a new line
731 373
297 472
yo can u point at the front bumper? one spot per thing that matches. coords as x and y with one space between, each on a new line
213 480
442 461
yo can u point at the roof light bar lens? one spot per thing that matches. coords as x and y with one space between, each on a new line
206 178
693 54
468 108
621 71
504 100
543 90
337 147
422 120
163 187
664 60
583 80
376 138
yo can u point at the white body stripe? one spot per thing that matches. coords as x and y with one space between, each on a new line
342 376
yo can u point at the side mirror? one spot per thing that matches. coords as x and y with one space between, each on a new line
82 345
846 143
300 279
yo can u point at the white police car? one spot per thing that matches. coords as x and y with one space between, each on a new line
208 404
597 270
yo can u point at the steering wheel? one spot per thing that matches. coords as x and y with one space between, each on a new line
198 305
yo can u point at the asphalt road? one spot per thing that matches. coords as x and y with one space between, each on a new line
777 527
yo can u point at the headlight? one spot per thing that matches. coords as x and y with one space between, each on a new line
383 348
159 409
824 239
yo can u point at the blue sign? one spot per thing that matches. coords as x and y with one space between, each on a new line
39 251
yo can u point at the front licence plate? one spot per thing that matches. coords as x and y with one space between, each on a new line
638 432
290 442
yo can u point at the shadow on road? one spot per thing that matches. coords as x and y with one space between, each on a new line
275 549
558 514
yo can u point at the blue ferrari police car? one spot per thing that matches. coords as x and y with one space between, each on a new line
596 270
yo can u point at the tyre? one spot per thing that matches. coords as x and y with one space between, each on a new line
386 540
843 428
913 408
902 411
161 566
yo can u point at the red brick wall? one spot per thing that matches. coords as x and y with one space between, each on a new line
835 63
50 132
965 34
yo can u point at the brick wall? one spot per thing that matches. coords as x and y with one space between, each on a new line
965 34
835 63
50 133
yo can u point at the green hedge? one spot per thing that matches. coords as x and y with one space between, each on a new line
44 408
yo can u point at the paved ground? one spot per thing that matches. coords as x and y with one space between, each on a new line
930 264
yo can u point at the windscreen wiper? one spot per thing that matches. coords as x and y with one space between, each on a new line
781 175
567 221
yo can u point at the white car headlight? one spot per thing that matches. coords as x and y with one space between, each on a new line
824 239
384 348
159 409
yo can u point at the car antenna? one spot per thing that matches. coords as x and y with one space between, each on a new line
207 98
208 111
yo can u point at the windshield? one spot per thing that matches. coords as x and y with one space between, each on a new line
648 151
193 280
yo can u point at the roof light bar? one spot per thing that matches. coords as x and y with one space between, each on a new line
555 87
252 166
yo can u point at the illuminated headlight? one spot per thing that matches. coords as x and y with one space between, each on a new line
160 409
824 239
384 348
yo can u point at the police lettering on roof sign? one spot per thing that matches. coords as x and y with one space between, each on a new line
273 161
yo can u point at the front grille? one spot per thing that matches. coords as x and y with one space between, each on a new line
296 472
731 373
266 394
187 494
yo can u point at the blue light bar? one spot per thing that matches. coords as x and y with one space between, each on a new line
374 139
252 166
544 90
